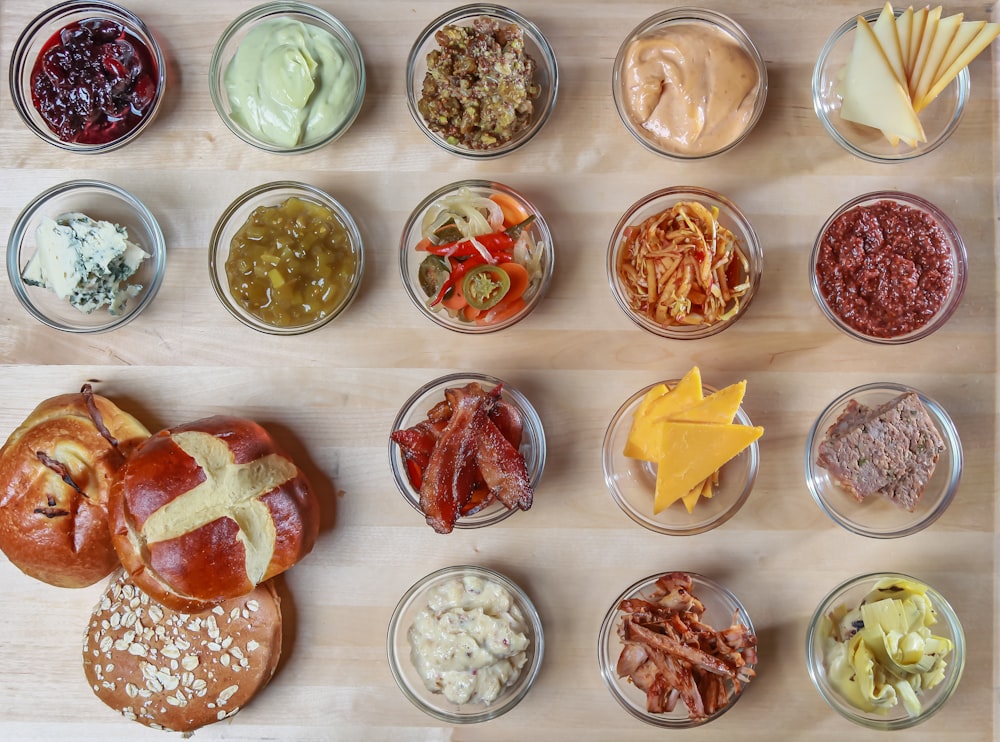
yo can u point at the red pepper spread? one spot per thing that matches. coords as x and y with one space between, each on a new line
884 269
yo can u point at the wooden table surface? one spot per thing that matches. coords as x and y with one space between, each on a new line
331 395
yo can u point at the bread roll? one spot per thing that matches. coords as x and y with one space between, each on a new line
56 471
179 671
208 510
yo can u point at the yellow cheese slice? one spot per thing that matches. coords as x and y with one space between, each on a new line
888 38
643 438
933 19
983 39
705 489
718 407
916 36
871 95
904 25
927 74
967 31
692 451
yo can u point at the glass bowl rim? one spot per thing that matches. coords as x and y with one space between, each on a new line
681 14
964 92
157 251
311 193
531 30
960 267
280 8
532 619
949 432
19 67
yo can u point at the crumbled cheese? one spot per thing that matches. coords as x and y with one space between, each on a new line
86 262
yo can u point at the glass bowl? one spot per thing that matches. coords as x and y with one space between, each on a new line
415 600
101 202
876 516
275 194
722 610
854 317
505 314
939 119
415 409
47 25
729 217
632 482
742 115
536 46
321 126
849 595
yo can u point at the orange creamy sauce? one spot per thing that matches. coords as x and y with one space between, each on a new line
689 88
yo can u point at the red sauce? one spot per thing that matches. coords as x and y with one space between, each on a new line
884 269
93 82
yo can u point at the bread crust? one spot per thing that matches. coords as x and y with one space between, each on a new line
56 472
180 671
205 511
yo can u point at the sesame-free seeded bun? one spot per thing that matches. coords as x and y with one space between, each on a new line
180 671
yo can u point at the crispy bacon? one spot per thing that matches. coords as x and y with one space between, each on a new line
464 456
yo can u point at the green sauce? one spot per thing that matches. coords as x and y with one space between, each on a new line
290 83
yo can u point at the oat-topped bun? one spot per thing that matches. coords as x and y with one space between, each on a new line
180 671
56 471
206 511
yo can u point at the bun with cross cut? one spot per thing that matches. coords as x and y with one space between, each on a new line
56 471
207 511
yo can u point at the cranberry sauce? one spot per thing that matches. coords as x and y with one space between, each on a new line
93 82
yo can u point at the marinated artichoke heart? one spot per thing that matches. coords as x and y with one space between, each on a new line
883 652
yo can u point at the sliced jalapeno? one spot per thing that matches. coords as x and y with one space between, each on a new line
432 274
484 286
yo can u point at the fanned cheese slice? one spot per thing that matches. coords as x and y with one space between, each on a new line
904 25
692 452
931 22
923 77
643 439
869 77
719 407
885 31
983 39
916 36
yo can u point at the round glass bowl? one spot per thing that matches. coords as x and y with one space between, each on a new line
632 482
939 119
852 318
34 39
410 259
415 409
101 202
722 610
849 595
408 678
275 194
536 46
326 125
732 128
729 217
876 516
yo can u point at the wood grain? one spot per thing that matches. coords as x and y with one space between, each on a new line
331 395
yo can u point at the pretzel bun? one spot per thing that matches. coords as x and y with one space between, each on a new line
56 472
207 511
180 671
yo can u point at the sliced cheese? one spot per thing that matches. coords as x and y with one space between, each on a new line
718 407
692 451
885 31
869 77
904 25
916 36
983 39
706 489
924 77
643 438
933 18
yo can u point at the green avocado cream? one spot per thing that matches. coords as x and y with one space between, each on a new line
290 83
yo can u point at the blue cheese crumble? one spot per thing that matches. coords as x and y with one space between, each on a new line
86 262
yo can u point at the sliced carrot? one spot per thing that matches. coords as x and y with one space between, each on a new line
519 280
513 211
470 313
501 311
424 245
